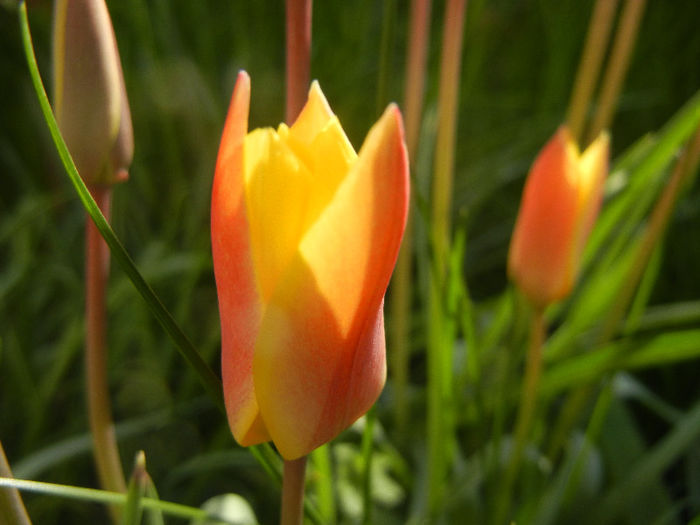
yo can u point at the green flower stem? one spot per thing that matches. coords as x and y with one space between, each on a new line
589 67
526 412
211 383
293 483
298 55
11 505
617 67
105 450
440 406
401 291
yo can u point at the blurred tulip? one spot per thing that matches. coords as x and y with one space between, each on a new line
305 235
90 100
560 203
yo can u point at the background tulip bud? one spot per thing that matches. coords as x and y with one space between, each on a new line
305 235
560 203
89 95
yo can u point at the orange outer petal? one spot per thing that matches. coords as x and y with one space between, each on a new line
545 235
239 301
320 357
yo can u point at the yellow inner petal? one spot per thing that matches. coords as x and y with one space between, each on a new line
592 166
290 178
276 187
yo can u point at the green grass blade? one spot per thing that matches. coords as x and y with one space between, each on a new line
101 496
658 350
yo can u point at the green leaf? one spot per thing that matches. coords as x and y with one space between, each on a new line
629 354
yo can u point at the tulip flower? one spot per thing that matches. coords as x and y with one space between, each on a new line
560 203
89 95
305 234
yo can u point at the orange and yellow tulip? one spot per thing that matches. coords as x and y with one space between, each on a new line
305 234
560 203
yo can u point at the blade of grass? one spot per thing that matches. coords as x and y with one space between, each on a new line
131 514
617 67
589 67
628 354
321 459
104 497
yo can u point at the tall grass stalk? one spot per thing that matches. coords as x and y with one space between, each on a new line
615 73
589 67
401 291
298 55
440 396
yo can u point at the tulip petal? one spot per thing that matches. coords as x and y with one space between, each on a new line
277 190
313 117
239 300
319 360
545 232
593 167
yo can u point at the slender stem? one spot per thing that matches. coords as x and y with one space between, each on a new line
617 67
526 412
11 505
298 55
589 67
293 482
439 376
401 285
105 451
447 128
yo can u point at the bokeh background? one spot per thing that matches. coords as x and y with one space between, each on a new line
180 58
